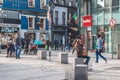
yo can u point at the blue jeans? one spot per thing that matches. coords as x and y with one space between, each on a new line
18 51
87 57
98 53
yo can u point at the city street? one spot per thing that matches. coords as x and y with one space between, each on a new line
31 68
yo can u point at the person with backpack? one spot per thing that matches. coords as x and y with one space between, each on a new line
99 49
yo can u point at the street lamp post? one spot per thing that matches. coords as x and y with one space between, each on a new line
49 7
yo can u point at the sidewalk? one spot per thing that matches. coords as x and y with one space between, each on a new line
101 70
30 68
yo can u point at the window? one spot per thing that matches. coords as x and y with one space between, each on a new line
115 5
1 1
31 23
70 15
100 4
63 18
31 3
41 23
56 17
56 1
42 3
63 2
71 3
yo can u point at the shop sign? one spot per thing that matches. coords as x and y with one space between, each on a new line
112 23
87 21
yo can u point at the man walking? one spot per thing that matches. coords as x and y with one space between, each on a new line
99 49
18 46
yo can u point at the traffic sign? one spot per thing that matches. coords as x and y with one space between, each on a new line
112 23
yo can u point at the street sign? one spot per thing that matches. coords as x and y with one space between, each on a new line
112 23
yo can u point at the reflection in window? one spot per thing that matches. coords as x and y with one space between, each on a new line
115 5
100 3
42 3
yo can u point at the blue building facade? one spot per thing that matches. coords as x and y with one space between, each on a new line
32 15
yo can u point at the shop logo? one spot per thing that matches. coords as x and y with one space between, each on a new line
87 21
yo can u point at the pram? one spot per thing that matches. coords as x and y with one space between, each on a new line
33 48
30 48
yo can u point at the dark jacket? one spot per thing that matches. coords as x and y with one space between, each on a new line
18 41
79 50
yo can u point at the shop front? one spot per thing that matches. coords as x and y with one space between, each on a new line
7 30
39 37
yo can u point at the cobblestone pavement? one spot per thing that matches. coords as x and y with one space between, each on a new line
30 68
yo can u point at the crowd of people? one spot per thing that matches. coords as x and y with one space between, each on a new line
16 43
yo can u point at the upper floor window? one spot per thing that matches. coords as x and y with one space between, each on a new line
56 1
63 18
70 15
71 3
31 23
31 3
63 2
1 1
56 17
42 3
42 23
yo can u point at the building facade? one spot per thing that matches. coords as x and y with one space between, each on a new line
32 16
63 11
9 23
103 11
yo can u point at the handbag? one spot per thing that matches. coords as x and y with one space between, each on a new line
84 52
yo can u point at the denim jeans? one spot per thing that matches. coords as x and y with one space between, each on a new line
98 53
18 51
87 57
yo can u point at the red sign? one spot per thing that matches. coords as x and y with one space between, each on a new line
87 21
112 23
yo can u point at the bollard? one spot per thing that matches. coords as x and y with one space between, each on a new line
80 69
80 72
77 61
42 54
63 57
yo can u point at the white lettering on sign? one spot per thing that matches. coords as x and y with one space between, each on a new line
86 21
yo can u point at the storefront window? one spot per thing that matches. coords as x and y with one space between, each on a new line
100 16
94 5
115 5
44 38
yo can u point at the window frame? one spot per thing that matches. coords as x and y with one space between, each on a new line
42 5
31 27
56 17
33 3
63 18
